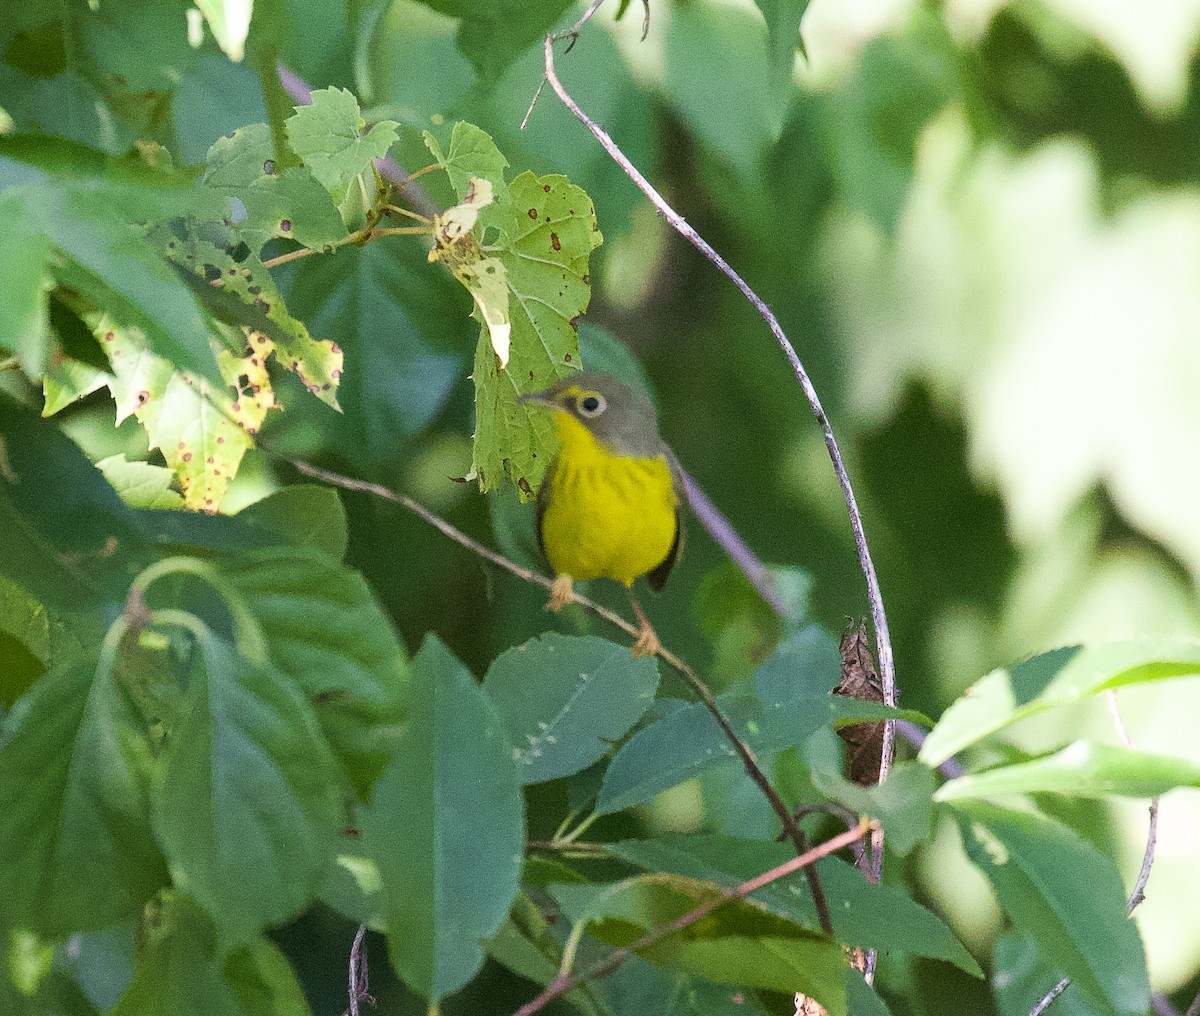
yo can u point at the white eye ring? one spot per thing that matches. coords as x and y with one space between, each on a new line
591 404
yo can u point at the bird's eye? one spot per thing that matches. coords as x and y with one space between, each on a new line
591 404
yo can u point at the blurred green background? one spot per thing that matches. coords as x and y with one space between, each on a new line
978 221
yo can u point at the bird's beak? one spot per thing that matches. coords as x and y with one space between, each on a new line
537 399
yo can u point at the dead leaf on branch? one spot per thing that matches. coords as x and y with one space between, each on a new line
860 680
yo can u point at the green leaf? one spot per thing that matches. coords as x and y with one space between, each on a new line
67 381
388 311
899 84
1084 769
565 700
1068 896
326 136
71 541
24 252
472 153
74 765
304 515
1023 974
179 970
783 19
727 102
24 641
446 828
544 245
264 982
865 915
687 741
492 36
251 859
684 743
140 484
263 204
326 631
902 802
116 268
250 301
737 943
513 950
1057 678
195 424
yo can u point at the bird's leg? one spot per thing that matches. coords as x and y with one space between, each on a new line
562 592
647 643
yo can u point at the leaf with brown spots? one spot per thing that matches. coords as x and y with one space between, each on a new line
318 363
202 430
546 263
455 245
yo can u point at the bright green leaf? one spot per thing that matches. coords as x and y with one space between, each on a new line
1066 894
544 246
472 153
250 301
24 251
67 381
251 859
1057 678
446 828
565 700
326 136
74 765
1083 769
140 484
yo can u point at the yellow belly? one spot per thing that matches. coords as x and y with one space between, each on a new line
607 516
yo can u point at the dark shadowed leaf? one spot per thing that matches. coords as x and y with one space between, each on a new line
446 828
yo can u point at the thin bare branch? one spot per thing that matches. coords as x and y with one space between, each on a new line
1050 996
564 983
728 539
680 224
358 973
1138 894
745 752
1139 887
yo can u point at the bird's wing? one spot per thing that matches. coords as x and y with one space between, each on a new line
658 577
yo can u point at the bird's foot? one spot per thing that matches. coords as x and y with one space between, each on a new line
647 643
562 592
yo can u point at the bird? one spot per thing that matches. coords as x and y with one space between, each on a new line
610 503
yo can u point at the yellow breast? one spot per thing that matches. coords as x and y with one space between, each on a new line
606 515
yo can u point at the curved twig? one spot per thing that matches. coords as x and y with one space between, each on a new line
744 751
887 670
564 983
1138 893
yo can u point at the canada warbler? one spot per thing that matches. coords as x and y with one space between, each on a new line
609 505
